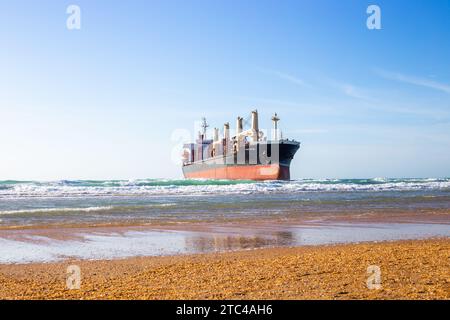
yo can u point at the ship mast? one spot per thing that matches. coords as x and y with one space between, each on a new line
275 120
204 126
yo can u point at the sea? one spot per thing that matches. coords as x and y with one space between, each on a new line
37 203
156 216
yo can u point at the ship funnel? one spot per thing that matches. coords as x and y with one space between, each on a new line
255 128
238 126
275 120
216 134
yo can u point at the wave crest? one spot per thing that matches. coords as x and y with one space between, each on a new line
73 188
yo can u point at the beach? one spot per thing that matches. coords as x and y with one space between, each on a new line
417 269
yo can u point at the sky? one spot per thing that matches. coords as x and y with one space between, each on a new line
110 100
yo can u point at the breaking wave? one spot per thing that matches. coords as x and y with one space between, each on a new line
76 188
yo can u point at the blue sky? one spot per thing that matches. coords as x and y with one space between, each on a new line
103 102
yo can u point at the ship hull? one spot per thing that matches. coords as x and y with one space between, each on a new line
241 172
229 168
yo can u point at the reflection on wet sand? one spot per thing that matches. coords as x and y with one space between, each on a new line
228 242
115 243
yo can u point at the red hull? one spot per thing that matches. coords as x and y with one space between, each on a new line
247 172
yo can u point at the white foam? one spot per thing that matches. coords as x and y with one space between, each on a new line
131 188
45 210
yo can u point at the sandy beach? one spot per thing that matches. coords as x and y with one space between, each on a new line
410 269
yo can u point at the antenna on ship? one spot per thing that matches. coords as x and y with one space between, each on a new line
275 120
205 125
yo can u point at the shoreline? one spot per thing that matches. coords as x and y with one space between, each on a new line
435 216
410 269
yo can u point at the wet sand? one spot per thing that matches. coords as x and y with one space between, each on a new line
46 245
410 269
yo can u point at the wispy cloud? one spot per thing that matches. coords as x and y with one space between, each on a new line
284 76
351 91
418 81
310 131
347 89
291 107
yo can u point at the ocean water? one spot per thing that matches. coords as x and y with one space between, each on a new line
51 221
156 201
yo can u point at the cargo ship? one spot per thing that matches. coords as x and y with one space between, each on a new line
248 155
